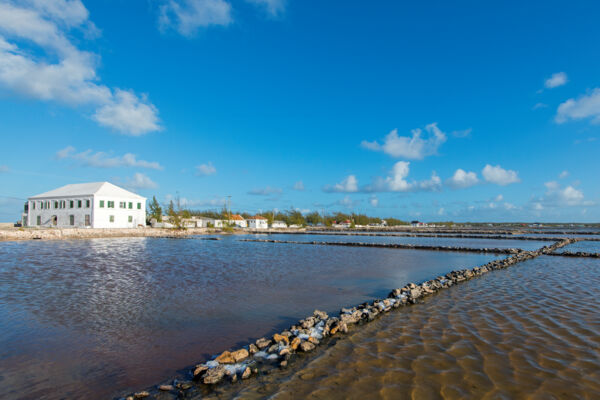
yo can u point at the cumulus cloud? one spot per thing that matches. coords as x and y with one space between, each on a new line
556 80
187 16
299 186
348 185
206 169
273 7
100 159
140 181
374 201
55 69
266 191
583 107
462 179
414 147
499 175
397 181
567 196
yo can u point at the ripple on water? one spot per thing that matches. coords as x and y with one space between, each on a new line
531 331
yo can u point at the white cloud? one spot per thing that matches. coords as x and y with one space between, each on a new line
499 198
462 134
103 160
56 70
266 191
299 186
585 106
462 179
499 175
4 169
537 106
140 181
206 169
441 211
563 174
187 16
556 80
273 7
374 201
431 185
411 147
568 196
348 185
346 202
397 180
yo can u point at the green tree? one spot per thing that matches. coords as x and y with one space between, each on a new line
174 216
155 210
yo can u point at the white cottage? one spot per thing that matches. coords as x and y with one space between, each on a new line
278 224
258 222
93 205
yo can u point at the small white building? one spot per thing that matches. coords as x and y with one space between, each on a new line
238 221
258 222
93 205
278 224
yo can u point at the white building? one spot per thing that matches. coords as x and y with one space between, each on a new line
258 222
94 205
278 224
238 221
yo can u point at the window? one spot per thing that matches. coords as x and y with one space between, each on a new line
139 206
111 218
54 220
39 220
78 203
130 205
122 204
130 219
71 220
33 205
87 220
101 203
56 204
111 204
71 204
87 204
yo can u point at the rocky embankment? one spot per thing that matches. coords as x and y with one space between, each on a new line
82 233
576 254
396 246
304 336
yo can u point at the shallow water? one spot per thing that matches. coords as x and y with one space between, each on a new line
584 246
97 318
423 241
530 331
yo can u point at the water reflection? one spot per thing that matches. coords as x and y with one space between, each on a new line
95 318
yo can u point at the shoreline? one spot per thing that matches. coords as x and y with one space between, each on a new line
277 351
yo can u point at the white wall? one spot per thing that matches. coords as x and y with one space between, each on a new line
258 223
121 215
62 214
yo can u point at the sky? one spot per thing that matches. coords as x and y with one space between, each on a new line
429 110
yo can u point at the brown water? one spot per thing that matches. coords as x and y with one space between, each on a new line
529 332
97 318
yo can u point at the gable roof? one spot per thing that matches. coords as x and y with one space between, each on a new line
257 217
89 189
237 217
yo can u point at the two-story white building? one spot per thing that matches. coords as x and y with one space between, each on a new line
93 205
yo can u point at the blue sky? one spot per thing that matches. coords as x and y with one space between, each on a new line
434 110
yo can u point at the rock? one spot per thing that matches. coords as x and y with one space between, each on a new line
280 338
214 375
200 370
184 385
307 346
295 343
239 355
283 364
166 388
322 315
141 395
334 329
343 328
313 340
308 322
262 343
252 348
273 349
225 358
284 351
247 372
234 378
